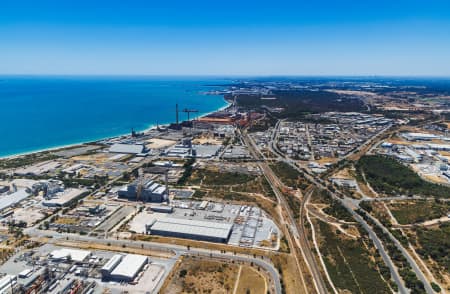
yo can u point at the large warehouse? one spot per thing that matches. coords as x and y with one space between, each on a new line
127 148
191 229
128 267
111 265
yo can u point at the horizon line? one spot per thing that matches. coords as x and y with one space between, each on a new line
224 75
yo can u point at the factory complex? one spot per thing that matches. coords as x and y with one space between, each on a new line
239 225
61 270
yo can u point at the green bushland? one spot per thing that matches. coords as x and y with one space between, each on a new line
27 159
263 124
435 244
417 211
231 182
213 178
187 171
387 175
404 268
350 264
295 205
335 209
296 103
288 175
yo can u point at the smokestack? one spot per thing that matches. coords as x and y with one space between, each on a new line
176 110
167 184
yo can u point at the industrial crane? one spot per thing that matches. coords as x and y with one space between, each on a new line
189 111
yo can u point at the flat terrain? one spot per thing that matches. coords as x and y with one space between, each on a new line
410 212
433 246
203 276
250 282
353 264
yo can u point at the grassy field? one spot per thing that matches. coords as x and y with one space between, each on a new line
417 211
352 267
251 282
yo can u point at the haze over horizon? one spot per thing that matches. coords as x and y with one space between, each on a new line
349 38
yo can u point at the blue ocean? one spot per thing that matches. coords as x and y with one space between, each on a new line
44 112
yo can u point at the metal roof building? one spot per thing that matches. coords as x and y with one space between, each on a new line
129 267
111 265
76 255
64 198
127 148
191 229
7 283
7 201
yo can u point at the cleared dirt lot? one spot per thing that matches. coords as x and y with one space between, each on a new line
203 276
250 281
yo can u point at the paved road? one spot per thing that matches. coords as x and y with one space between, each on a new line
406 254
177 250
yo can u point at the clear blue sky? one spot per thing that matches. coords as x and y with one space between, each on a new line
218 37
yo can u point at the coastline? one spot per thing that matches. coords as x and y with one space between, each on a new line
73 145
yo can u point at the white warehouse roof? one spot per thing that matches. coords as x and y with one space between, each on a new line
130 266
9 200
112 263
126 148
193 227
75 254
64 198
6 282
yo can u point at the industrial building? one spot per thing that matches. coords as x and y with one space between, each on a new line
127 148
124 268
111 265
66 254
64 198
145 190
6 201
419 136
190 229
161 208
186 149
7 283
